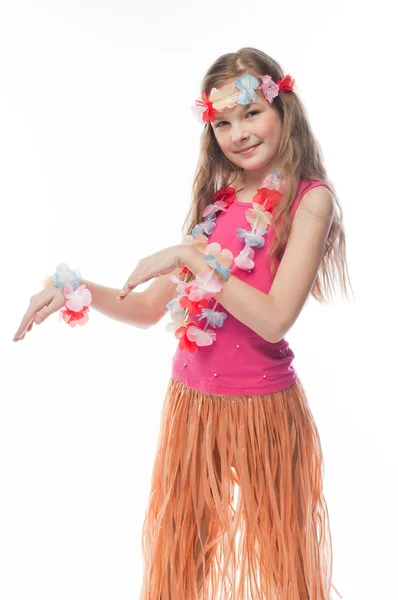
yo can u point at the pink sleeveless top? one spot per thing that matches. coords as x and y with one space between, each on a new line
240 362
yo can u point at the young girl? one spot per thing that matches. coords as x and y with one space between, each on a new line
263 233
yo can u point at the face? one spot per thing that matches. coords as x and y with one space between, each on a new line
246 125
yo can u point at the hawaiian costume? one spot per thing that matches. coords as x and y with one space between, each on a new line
236 509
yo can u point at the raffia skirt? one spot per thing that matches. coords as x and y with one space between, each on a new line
236 509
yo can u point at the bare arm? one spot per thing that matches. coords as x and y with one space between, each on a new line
272 315
140 309
134 311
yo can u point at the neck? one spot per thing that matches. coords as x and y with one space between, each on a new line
254 179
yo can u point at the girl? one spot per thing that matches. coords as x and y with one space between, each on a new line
263 233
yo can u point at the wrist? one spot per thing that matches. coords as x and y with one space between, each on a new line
197 262
48 282
194 260
77 297
185 254
192 298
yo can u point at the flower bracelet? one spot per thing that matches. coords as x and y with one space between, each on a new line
78 296
193 298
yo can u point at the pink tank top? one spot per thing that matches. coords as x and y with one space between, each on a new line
240 362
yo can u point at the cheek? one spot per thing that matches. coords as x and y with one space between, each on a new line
269 126
223 142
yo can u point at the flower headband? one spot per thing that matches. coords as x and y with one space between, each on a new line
206 107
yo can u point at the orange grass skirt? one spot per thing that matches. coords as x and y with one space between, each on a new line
236 510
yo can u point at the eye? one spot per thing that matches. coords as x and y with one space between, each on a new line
252 112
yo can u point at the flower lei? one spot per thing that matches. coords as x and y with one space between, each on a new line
193 297
206 107
78 296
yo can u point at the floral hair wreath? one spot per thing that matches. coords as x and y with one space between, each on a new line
206 107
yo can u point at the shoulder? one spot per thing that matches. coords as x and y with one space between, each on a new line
316 202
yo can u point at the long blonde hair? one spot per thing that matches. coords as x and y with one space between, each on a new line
298 156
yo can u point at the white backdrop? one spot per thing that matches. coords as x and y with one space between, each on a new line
97 150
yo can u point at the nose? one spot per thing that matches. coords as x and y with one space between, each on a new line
238 134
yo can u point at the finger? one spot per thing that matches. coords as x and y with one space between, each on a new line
28 329
24 327
126 289
133 282
33 308
20 338
35 312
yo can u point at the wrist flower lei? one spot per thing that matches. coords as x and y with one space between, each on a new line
78 296
193 297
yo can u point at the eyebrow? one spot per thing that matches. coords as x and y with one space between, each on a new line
244 106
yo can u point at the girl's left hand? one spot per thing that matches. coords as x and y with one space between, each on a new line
160 263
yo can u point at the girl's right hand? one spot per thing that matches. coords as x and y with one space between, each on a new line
42 305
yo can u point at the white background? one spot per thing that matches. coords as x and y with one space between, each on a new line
97 151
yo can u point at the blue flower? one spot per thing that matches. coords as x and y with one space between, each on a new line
252 238
175 307
205 226
212 261
247 85
64 275
215 318
170 305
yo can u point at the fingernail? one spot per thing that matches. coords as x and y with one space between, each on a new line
38 320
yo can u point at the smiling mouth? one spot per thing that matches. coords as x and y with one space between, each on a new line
248 150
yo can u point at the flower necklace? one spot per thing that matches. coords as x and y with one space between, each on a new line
193 297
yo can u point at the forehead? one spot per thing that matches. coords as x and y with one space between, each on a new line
238 107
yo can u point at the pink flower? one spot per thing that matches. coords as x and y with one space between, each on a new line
78 298
269 87
224 257
211 209
199 241
244 259
258 217
201 337
205 286
181 285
